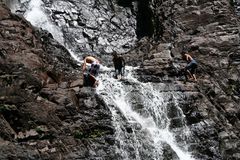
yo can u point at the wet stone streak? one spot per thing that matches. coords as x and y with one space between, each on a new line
45 112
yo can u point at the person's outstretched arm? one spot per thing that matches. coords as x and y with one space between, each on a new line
188 57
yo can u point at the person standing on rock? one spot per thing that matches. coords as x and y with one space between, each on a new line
89 75
119 65
191 67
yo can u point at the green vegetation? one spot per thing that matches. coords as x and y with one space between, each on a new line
6 107
39 130
78 134
8 80
97 133
233 88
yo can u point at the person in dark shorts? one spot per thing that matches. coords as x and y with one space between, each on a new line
119 65
191 67
91 74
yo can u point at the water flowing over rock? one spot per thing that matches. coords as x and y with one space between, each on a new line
44 114
209 30
89 25
47 113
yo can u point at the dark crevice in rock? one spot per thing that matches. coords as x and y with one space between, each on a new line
16 118
125 3
144 19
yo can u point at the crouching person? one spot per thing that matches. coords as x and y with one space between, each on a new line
89 75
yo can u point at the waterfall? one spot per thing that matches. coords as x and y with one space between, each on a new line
38 17
139 109
148 123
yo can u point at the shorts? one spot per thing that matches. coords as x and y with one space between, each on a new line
119 71
94 69
88 81
192 67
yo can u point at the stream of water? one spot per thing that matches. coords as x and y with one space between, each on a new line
145 110
140 110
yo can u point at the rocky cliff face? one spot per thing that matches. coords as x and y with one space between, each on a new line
209 30
91 26
45 113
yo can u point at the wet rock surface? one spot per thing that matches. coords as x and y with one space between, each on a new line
91 26
46 113
209 31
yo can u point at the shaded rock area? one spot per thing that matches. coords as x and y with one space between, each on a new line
90 25
45 112
209 31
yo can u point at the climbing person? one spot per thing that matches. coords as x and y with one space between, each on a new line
190 69
119 65
89 75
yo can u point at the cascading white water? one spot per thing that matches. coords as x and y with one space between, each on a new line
139 109
38 17
150 120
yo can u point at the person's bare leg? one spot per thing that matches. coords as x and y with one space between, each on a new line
194 77
96 84
189 76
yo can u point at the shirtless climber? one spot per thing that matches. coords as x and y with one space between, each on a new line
191 67
91 74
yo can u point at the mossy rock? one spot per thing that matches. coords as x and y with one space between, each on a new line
79 135
97 133
6 108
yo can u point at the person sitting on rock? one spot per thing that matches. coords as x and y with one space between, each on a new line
191 67
91 74
119 65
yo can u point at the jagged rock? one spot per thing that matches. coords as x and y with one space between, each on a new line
78 82
39 110
40 82
99 23
208 30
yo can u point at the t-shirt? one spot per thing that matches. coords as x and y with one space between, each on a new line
118 62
